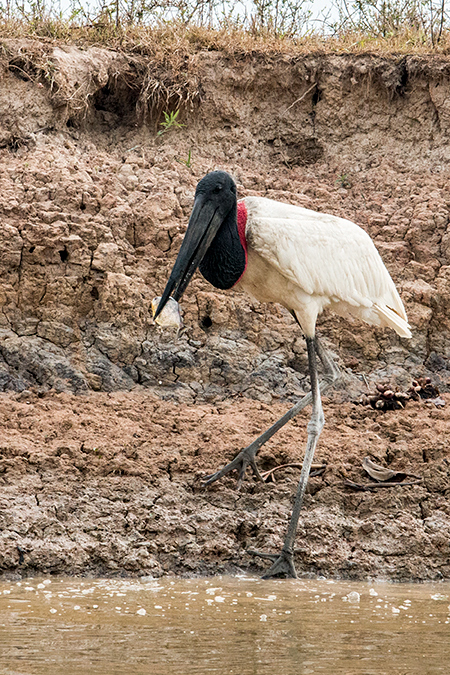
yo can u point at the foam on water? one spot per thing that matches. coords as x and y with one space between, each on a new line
222 625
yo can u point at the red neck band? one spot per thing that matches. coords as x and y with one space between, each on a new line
241 223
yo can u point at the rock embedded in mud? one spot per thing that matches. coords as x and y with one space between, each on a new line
422 388
385 398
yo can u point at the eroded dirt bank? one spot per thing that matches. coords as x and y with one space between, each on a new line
93 207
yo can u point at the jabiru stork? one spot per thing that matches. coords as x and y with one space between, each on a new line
304 260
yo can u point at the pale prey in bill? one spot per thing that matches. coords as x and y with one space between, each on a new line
304 260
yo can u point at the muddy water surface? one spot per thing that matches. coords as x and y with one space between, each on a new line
223 625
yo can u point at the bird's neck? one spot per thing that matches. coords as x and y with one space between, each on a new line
226 259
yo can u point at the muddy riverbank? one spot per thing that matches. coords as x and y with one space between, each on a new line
111 484
108 423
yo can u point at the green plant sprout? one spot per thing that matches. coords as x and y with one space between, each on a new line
343 182
170 122
187 162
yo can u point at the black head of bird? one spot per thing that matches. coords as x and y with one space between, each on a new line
212 240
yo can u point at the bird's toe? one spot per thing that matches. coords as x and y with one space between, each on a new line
240 464
283 564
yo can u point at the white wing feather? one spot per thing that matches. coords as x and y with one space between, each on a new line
328 258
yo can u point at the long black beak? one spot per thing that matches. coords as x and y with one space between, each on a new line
204 224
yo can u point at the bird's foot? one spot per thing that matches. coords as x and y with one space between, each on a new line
245 459
283 564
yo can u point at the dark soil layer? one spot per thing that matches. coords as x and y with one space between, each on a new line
109 422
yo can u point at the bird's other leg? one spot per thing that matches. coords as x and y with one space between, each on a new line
331 370
247 456
283 565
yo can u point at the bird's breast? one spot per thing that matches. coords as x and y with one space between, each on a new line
264 282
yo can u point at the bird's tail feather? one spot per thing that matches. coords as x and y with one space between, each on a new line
390 318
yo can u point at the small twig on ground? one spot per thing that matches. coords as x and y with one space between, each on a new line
316 470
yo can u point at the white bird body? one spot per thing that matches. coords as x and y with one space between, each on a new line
307 261
304 260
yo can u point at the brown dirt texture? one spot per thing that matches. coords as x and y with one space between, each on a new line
108 422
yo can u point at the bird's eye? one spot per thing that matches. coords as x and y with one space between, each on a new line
217 189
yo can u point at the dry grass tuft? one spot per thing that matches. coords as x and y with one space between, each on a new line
173 42
152 70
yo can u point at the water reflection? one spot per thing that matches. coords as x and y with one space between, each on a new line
238 626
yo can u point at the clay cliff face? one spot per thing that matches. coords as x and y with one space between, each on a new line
94 204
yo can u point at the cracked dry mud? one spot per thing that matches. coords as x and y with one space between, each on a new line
108 423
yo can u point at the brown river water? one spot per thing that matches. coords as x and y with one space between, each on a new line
239 626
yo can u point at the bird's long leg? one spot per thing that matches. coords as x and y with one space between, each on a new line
284 562
247 456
